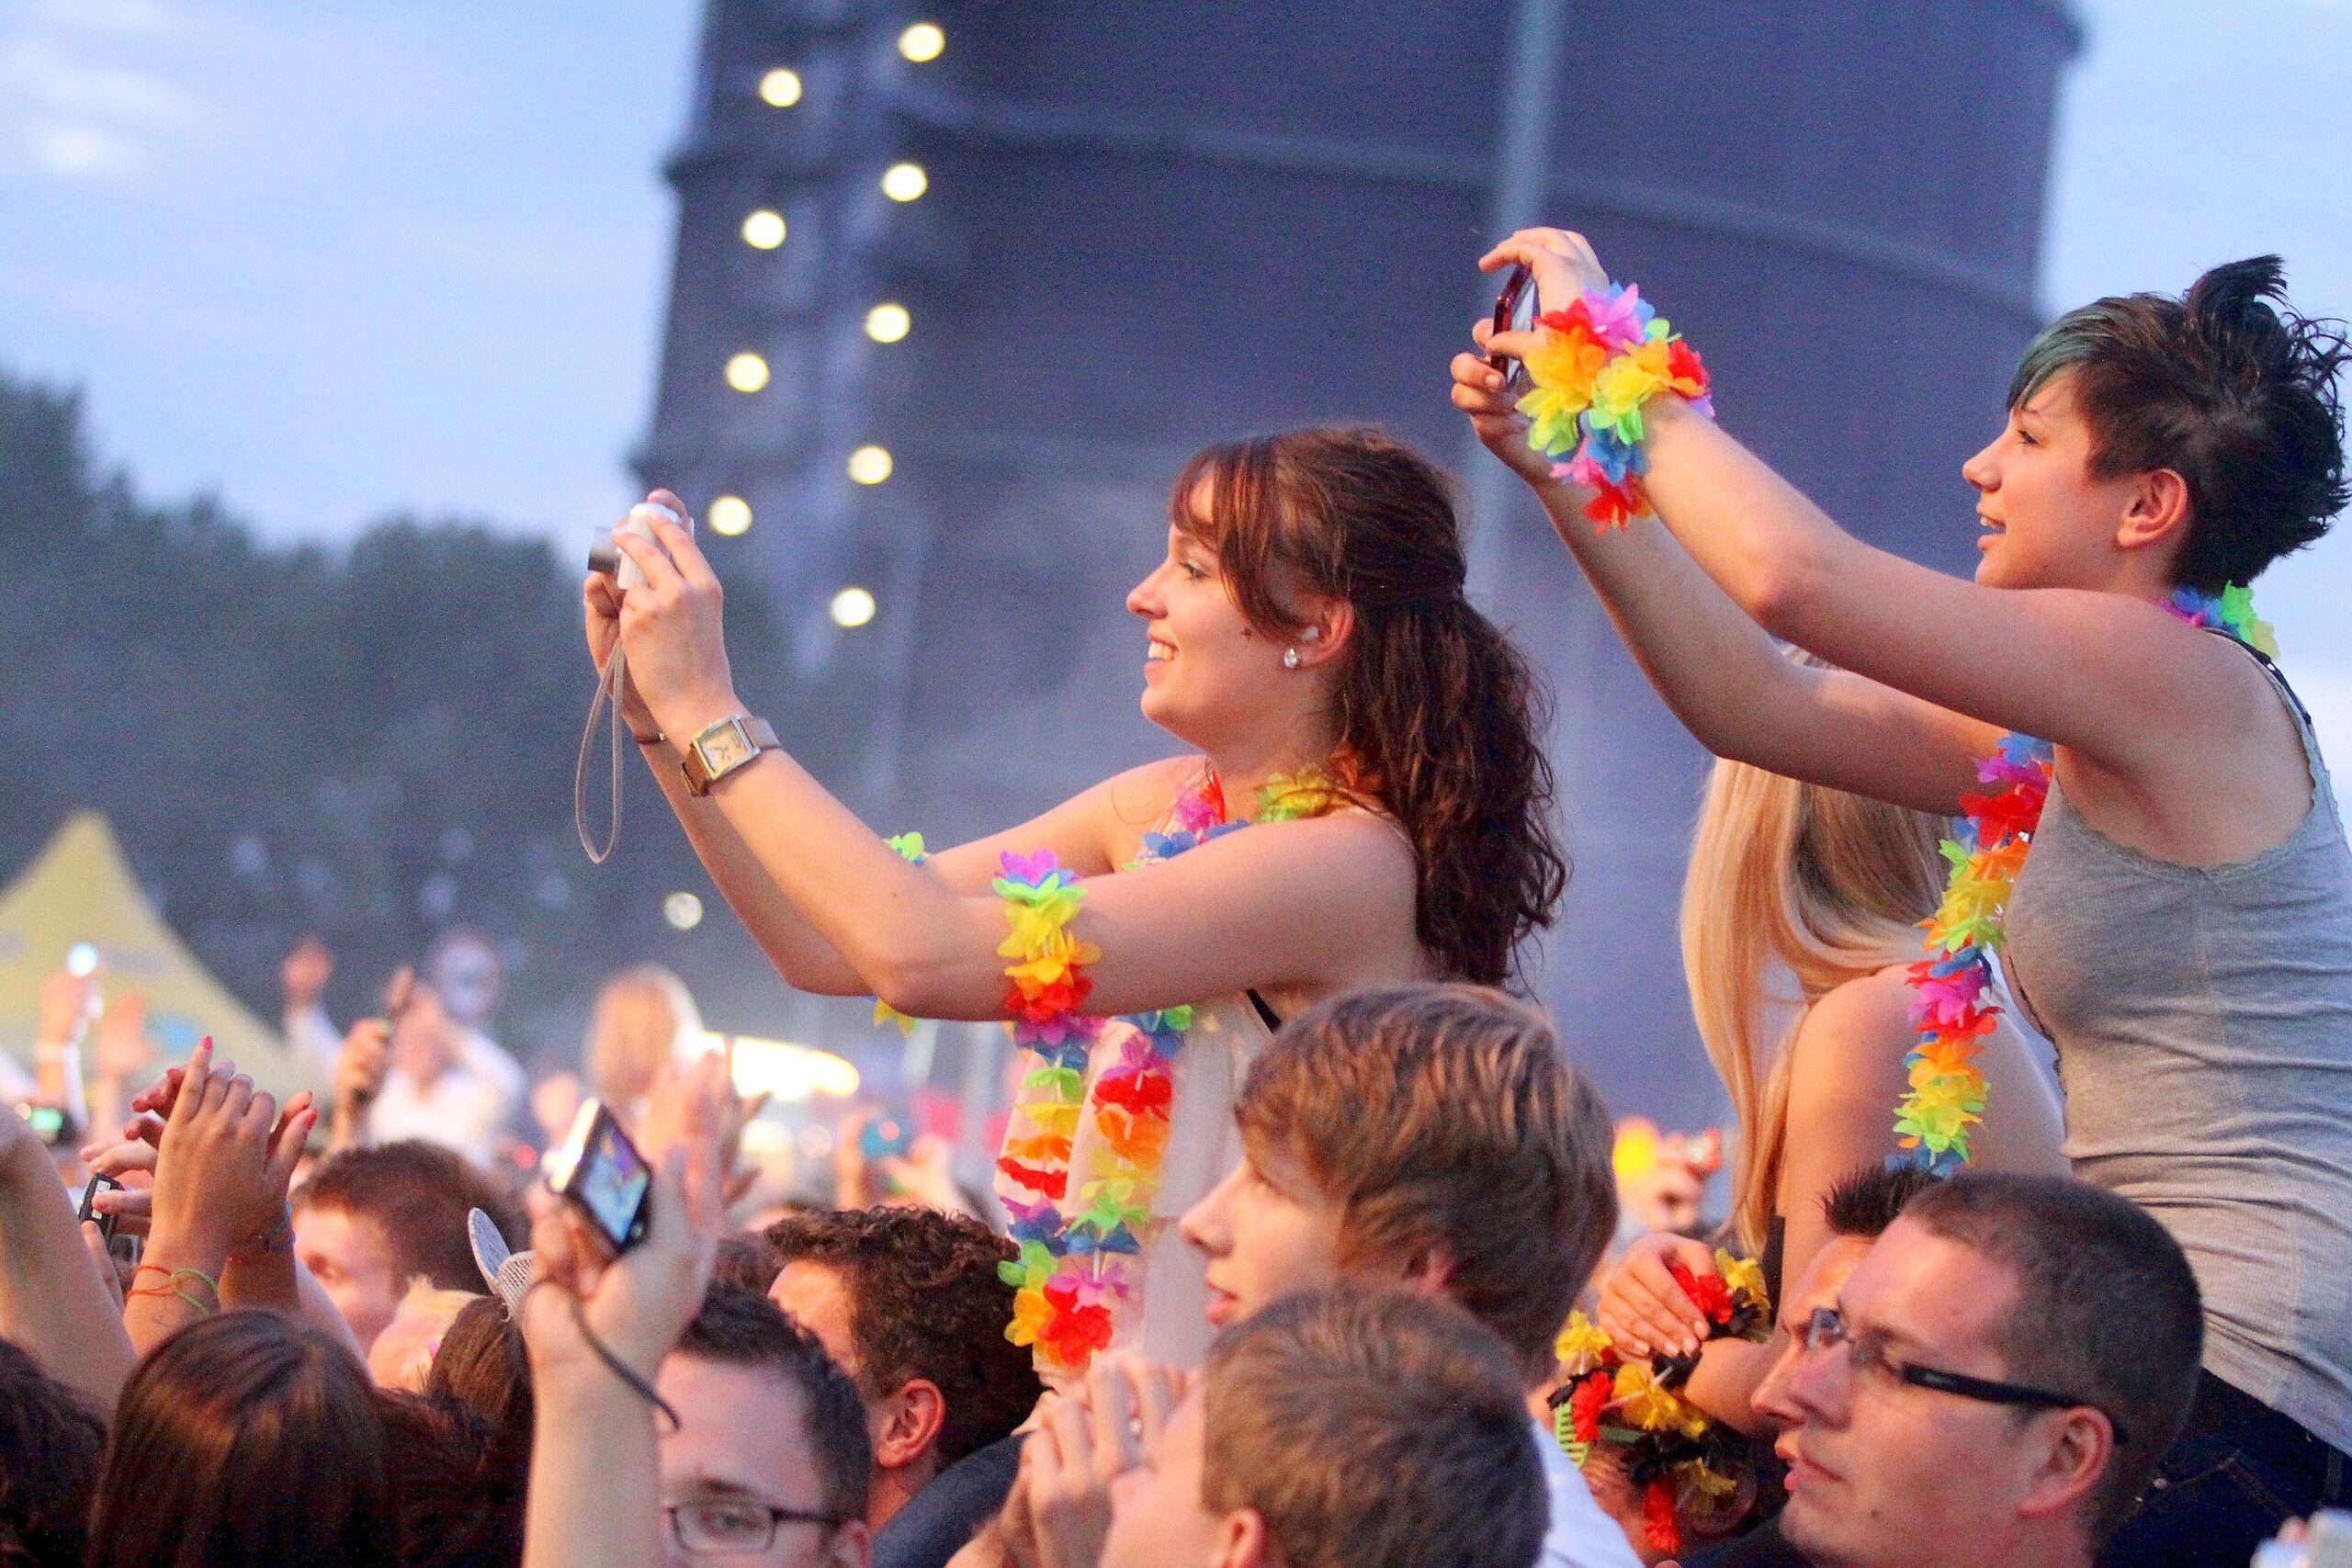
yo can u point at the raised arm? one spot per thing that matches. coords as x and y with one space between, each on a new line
1314 904
801 952
1716 669
52 1301
2101 668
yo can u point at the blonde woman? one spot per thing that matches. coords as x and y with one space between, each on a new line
1800 913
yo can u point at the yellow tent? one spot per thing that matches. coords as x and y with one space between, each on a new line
79 889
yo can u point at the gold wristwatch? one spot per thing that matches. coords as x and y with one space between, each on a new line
723 747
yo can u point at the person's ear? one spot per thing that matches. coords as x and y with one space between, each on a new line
1240 1541
1429 1269
2155 512
2066 1467
1325 636
911 1424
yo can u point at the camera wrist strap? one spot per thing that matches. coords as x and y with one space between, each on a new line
608 691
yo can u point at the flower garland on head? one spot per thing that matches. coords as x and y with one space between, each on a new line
1078 1250
1677 1458
1953 1002
1595 363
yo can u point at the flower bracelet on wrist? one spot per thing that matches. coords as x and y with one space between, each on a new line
1594 367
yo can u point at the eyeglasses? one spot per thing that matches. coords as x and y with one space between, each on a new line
1826 1330
732 1525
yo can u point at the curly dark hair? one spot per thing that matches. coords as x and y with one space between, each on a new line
49 1444
925 1302
1441 717
2227 387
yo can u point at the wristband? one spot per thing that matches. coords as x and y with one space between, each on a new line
1596 363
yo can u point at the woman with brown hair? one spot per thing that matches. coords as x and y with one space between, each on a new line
247 1440
1307 639
1801 915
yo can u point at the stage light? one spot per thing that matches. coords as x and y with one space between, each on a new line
887 323
904 182
870 465
731 515
746 372
682 910
786 1072
763 230
81 958
781 87
923 42
851 607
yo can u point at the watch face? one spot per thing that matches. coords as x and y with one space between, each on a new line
724 750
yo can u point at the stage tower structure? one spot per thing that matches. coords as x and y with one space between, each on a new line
959 285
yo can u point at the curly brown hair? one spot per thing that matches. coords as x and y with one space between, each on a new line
925 1302
1441 718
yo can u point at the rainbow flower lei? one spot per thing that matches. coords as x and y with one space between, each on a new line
1681 1462
1952 1003
1078 1252
1595 364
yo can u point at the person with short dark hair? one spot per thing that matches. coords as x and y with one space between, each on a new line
373 1220
49 1446
1857 1208
909 1303
2172 882
247 1440
771 1455
1999 1377
1345 1428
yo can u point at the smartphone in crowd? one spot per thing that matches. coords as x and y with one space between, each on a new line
1514 313
598 1171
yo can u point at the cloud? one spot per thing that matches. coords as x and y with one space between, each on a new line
76 104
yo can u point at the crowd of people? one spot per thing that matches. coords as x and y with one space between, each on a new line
1306 1247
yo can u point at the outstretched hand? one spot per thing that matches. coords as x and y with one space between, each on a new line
672 626
225 1157
1564 267
639 1302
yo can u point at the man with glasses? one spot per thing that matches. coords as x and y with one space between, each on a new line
770 1464
1995 1384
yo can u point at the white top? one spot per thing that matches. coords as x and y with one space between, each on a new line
1580 1535
464 1109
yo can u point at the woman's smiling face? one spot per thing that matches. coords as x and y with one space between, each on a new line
2053 523
1205 664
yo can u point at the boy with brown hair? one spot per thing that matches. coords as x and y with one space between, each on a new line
1432 1137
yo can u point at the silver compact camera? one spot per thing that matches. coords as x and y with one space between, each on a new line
605 556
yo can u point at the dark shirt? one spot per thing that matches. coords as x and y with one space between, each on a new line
940 1520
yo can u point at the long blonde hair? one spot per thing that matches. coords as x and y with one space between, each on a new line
1828 885
645 1020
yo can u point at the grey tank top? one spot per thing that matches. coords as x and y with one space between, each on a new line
2203 1022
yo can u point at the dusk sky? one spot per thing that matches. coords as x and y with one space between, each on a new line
342 259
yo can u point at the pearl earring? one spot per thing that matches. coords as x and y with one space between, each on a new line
1290 659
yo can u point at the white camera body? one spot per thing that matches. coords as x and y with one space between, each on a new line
605 555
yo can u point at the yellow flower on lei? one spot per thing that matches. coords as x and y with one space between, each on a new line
1744 1275
1581 1343
1644 1404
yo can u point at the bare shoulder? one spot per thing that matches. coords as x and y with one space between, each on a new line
1857 1033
